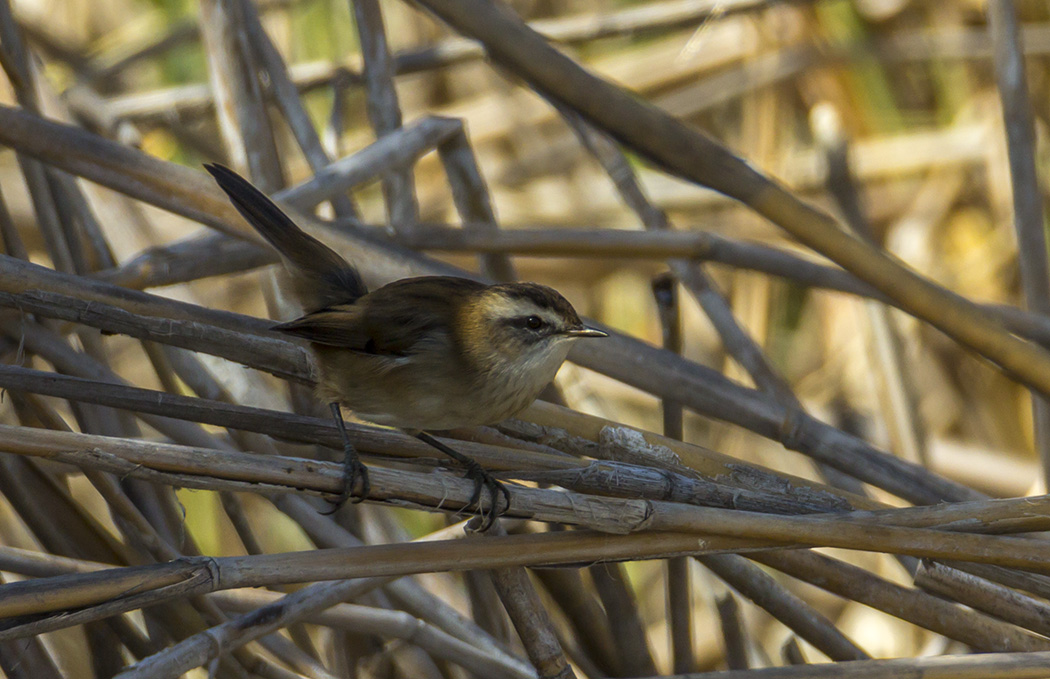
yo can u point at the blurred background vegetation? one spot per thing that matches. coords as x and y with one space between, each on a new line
910 85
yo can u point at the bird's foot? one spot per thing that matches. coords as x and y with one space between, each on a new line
483 479
353 471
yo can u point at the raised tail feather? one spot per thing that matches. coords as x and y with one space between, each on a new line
320 277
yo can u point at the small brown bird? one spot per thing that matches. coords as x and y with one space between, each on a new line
426 353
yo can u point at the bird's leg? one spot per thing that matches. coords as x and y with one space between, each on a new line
353 468
480 477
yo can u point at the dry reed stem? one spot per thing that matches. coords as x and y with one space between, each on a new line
1027 199
831 531
982 595
898 391
384 111
198 575
984 666
786 607
735 636
530 619
284 92
945 617
679 586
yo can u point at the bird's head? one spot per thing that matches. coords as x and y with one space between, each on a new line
522 326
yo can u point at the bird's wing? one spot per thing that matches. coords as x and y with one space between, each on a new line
398 319
348 328
336 327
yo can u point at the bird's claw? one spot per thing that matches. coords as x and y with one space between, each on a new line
353 470
496 489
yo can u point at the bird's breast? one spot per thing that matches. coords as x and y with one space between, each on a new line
431 393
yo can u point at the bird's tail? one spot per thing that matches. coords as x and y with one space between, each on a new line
320 276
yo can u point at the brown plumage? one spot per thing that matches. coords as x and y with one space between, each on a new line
426 353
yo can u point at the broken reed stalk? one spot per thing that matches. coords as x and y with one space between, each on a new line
735 634
283 90
198 575
531 620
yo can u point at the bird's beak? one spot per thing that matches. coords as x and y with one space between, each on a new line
586 332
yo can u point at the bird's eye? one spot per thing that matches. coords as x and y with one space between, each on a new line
533 323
